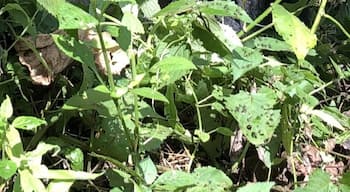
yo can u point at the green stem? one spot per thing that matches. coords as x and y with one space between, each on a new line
320 13
337 24
106 59
244 152
258 19
257 32
118 164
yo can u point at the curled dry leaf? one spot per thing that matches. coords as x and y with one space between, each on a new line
46 48
57 61
117 58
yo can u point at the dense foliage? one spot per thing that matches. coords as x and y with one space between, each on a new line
123 95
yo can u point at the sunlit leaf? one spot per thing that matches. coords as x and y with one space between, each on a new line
257 187
149 170
28 123
59 185
8 169
6 110
44 173
29 183
255 114
293 31
132 23
150 93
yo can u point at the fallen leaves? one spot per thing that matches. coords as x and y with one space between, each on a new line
44 59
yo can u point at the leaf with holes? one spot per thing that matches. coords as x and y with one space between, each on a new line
255 114
293 31
224 8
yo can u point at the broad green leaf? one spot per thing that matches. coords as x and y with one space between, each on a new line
257 187
121 34
154 135
60 185
212 178
176 7
171 69
97 98
224 8
150 93
79 52
28 123
148 169
174 180
76 158
271 44
8 169
318 180
6 109
245 59
255 114
43 172
29 183
20 16
132 23
76 19
293 31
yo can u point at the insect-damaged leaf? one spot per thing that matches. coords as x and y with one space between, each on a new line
293 31
254 113
245 59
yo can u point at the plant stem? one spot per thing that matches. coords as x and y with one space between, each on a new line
320 13
257 32
258 19
337 24
244 152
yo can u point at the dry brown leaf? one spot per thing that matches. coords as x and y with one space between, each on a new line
56 60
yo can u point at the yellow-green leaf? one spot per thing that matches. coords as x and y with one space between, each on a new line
293 31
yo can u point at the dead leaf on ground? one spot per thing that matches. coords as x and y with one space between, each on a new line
56 60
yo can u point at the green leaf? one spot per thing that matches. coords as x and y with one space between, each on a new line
293 31
271 44
51 5
79 52
345 182
257 187
149 8
224 8
150 93
60 185
76 158
34 157
28 123
76 19
212 178
8 169
6 109
255 114
176 7
171 69
318 180
173 180
29 183
245 59
154 135
224 131
14 146
43 172
132 23
97 98
149 170
203 136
